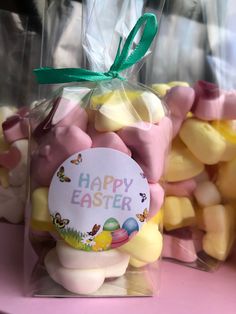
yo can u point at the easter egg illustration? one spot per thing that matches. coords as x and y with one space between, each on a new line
111 224
119 237
130 225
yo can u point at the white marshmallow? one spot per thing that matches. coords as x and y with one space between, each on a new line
78 259
207 194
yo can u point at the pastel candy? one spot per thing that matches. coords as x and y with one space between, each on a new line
81 281
156 199
149 107
181 163
207 194
6 112
61 143
17 175
228 131
202 140
179 101
219 224
110 140
77 281
178 83
226 179
40 217
10 158
64 113
146 245
161 89
77 259
115 114
179 248
136 263
180 188
178 212
12 203
212 103
15 128
149 145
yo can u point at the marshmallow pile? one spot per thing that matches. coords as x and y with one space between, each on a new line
132 121
200 207
13 163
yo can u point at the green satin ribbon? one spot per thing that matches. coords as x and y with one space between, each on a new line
123 59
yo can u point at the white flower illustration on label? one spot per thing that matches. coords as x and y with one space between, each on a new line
98 199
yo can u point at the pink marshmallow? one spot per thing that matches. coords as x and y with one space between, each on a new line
179 100
110 140
11 158
181 248
181 188
59 144
15 128
64 112
156 199
149 145
211 103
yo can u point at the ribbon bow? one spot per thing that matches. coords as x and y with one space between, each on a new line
123 59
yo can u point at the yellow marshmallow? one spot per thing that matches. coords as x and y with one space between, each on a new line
136 263
228 130
112 116
4 178
146 245
219 224
149 107
161 89
203 140
181 164
226 179
178 212
158 218
40 217
178 83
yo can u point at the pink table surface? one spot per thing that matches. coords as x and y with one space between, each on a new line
183 290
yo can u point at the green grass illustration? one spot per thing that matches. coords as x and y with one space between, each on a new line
74 238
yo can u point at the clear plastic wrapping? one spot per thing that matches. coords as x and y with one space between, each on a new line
16 93
199 209
94 220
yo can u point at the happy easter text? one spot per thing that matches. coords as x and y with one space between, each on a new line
106 192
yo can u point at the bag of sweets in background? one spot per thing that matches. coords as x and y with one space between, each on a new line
98 148
17 40
199 208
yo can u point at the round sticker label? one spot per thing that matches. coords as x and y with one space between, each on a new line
98 199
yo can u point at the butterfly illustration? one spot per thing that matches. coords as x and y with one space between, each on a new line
142 175
94 230
143 217
59 222
77 160
61 175
143 196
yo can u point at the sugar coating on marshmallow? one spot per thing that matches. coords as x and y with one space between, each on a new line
207 194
